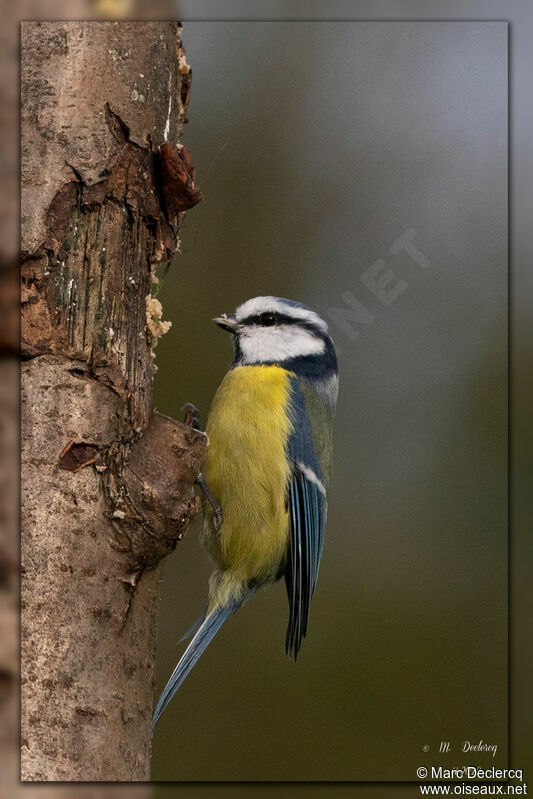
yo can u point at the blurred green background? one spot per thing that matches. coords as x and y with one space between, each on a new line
317 145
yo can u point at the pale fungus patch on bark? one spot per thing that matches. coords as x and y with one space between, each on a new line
155 325
183 65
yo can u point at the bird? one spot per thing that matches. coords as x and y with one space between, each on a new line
266 470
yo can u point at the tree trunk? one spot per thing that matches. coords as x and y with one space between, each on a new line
106 484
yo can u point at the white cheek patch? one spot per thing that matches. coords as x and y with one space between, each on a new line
277 343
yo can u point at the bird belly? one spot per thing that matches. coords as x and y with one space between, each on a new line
247 470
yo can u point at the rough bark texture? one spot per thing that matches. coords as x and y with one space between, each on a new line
107 485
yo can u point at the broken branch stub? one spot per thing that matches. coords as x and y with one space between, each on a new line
159 477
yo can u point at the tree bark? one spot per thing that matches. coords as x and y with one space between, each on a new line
106 484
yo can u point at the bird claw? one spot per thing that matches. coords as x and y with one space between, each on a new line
192 415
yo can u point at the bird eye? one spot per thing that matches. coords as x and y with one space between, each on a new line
268 319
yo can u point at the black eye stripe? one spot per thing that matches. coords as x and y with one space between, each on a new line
269 318
273 318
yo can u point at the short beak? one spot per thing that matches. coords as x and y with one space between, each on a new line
227 322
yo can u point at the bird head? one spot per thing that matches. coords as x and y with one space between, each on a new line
276 330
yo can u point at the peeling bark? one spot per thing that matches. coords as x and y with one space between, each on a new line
107 484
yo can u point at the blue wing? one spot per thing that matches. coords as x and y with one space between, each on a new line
307 517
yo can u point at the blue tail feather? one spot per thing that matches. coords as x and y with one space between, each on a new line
210 625
193 629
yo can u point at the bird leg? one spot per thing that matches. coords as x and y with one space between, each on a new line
218 517
192 419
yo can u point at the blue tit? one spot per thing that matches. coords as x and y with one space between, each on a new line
266 468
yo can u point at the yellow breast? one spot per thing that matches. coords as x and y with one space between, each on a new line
247 470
